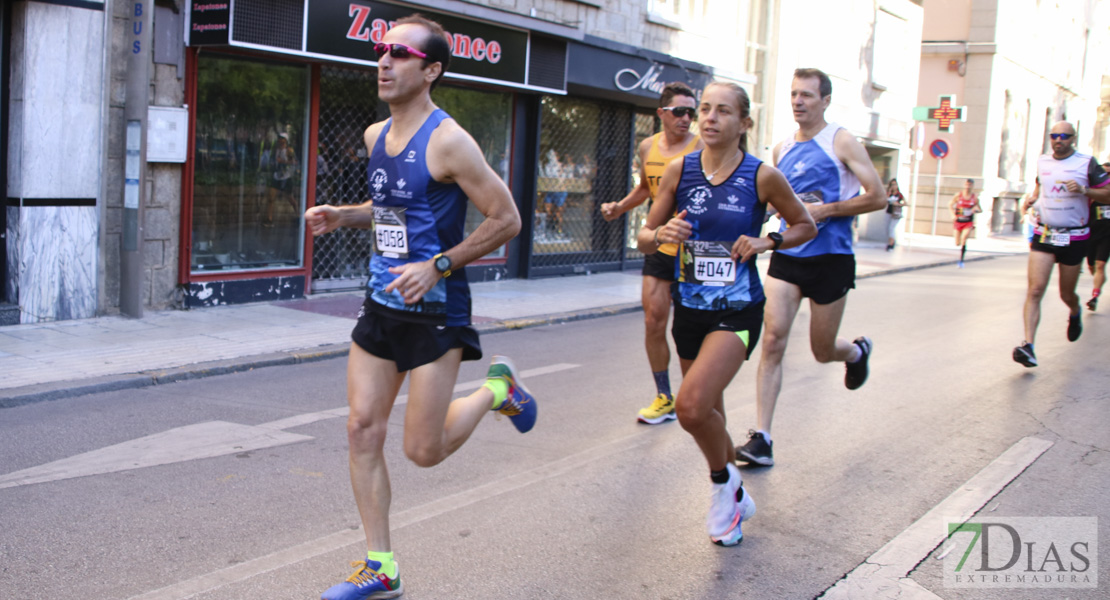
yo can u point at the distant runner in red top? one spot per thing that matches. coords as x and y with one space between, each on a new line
964 207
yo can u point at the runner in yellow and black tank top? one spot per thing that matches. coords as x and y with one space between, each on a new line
653 171
677 114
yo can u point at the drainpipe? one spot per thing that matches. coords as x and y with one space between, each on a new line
138 41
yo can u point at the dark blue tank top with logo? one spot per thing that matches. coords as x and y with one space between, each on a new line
708 278
415 218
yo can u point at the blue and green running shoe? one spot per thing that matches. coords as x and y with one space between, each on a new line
366 583
520 405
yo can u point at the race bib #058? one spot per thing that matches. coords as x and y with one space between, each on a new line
707 263
391 236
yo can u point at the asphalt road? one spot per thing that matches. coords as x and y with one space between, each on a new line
236 487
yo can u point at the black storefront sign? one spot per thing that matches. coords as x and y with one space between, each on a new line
209 22
625 74
350 30
345 30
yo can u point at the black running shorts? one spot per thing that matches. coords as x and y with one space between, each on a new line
409 344
823 279
659 266
691 326
1098 248
1070 255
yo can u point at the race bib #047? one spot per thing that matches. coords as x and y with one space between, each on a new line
707 263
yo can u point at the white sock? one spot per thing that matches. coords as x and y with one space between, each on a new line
857 353
766 436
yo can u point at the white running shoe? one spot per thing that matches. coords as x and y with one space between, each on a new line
723 521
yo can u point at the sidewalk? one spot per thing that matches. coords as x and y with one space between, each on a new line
68 358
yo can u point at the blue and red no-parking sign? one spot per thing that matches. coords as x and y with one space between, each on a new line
939 148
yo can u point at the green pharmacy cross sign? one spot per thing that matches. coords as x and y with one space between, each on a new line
944 115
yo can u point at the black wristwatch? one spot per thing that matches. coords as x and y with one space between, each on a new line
776 237
442 263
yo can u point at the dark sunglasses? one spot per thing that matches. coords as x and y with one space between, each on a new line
397 50
1061 136
682 111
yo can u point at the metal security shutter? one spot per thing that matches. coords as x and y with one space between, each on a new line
341 259
585 160
547 63
277 23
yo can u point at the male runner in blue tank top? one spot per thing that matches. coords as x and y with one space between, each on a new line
422 170
826 165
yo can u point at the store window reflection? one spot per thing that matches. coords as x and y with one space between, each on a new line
248 186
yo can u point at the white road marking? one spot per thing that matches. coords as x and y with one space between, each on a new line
885 573
465 386
202 440
341 539
192 442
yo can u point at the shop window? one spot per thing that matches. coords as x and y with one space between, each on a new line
585 158
341 259
248 187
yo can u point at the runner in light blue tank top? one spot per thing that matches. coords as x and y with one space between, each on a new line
818 176
416 218
830 170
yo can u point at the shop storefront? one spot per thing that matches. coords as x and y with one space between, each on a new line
280 94
586 154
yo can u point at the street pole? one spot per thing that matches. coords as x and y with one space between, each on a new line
134 183
936 197
918 136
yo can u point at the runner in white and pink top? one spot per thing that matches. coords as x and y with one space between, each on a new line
1067 182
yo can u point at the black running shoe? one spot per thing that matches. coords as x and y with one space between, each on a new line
1024 355
1092 304
1075 327
855 374
757 451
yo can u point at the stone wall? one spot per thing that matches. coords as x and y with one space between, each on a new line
162 208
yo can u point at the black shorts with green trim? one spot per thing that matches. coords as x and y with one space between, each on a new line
691 326
407 343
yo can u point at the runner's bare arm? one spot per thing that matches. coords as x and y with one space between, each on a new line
454 156
612 210
854 156
324 218
776 192
1031 197
660 227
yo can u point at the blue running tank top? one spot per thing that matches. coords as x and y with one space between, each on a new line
708 278
415 218
818 176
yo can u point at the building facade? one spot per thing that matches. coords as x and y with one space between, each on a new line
254 112
870 50
1018 66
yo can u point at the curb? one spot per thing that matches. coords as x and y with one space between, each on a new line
111 383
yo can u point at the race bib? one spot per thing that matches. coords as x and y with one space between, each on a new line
1102 212
707 263
968 211
1059 238
391 235
814 197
